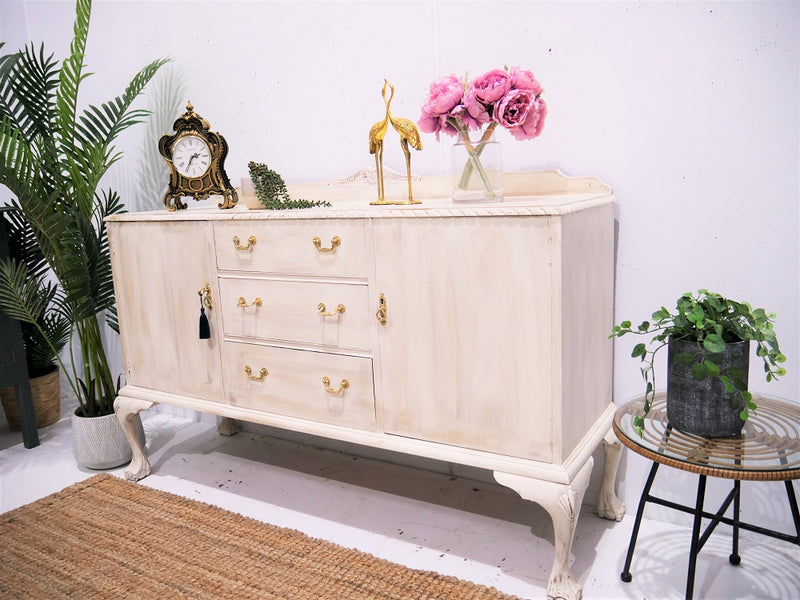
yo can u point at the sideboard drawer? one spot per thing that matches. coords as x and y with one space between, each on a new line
293 385
294 247
289 310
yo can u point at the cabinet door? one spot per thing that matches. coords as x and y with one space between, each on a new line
466 353
158 269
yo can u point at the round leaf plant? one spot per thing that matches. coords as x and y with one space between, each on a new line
712 321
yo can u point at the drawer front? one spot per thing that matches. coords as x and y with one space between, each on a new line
290 311
294 247
293 384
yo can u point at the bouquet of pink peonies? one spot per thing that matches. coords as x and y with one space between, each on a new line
507 97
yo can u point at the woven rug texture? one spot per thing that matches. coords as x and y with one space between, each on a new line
107 538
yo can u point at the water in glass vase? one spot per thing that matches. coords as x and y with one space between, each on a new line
477 170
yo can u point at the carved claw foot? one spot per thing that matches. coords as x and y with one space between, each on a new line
609 506
563 503
127 411
228 426
563 586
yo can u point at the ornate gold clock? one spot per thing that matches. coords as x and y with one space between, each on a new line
196 159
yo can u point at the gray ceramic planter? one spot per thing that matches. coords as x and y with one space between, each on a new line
100 442
703 407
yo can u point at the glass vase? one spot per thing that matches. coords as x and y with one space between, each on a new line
477 169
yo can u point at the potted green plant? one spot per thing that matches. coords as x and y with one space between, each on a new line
708 338
43 339
52 159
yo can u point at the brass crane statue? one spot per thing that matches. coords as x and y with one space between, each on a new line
376 134
409 134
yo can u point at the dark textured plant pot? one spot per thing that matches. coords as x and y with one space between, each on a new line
703 407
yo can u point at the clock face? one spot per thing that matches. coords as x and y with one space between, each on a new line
191 156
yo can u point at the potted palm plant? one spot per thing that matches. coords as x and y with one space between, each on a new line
43 340
52 159
708 338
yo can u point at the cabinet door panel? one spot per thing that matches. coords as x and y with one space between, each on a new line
158 269
466 353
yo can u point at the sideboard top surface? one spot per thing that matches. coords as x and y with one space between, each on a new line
539 193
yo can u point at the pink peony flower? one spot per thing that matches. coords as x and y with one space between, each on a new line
524 80
445 94
476 109
512 110
508 98
533 124
491 86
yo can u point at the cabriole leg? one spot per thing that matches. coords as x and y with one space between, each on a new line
609 506
563 503
127 409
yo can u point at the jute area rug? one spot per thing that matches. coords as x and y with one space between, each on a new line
106 538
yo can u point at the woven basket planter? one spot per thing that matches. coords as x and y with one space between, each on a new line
46 393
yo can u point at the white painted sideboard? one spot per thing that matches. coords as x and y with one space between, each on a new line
474 334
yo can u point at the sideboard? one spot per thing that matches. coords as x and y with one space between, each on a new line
474 334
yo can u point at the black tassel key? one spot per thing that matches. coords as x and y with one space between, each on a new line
205 329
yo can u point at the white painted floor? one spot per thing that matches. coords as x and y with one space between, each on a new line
425 520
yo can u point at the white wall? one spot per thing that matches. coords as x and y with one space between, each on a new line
689 110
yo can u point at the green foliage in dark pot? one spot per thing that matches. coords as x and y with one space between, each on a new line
52 159
712 321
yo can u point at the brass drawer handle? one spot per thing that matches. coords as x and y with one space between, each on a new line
321 308
382 310
335 241
263 373
251 241
244 304
327 383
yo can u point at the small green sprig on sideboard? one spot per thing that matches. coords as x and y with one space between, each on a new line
271 189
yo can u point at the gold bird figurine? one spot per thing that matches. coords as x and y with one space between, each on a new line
409 134
376 134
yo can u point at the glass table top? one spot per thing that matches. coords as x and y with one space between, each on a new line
767 449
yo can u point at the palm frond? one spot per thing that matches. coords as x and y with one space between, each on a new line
71 75
20 296
28 81
98 127
45 341
22 243
17 159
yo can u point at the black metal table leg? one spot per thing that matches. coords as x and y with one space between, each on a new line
794 509
626 572
695 548
734 558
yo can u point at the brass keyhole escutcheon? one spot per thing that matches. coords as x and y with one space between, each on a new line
251 241
205 296
383 310
335 241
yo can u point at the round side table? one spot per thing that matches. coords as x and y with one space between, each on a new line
768 449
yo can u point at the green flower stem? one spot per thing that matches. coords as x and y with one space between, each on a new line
474 162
